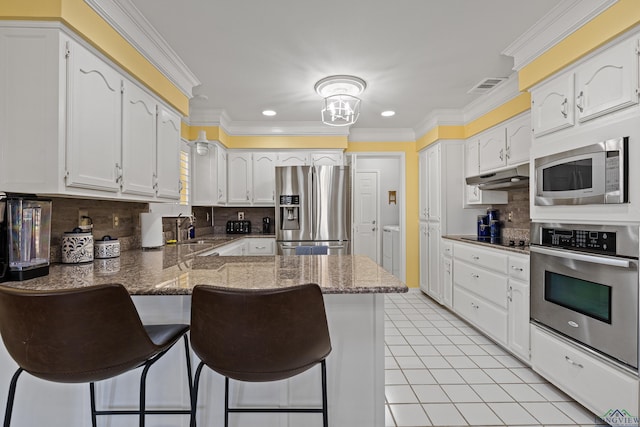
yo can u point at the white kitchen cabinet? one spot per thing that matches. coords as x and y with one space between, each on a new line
97 136
608 81
138 141
422 185
472 157
168 184
433 183
447 282
424 257
476 196
391 249
482 314
492 145
552 105
597 385
329 158
434 286
260 246
507 144
94 120
519 296
239 178
293 158
264 178
209 176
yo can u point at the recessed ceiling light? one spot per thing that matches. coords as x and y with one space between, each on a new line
269 113
388 113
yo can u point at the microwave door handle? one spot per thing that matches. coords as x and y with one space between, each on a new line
612 262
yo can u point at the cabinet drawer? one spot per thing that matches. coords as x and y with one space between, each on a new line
491 320
485 258
519 268
593 383
264 246
488 285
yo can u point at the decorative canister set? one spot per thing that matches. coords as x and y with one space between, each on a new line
489 227
78 247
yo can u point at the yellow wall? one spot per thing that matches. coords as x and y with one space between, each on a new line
620 17
89 25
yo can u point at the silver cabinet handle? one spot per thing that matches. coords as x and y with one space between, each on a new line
510 293
565 108
501 155
612 262
513 267
260 247
247 194
475 257
579 101
568 359
475 276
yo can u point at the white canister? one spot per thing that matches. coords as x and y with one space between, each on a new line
107 247
151 227
77 247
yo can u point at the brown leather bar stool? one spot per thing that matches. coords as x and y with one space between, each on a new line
259 335
83 335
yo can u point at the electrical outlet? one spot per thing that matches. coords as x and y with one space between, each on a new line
82 213
240 216
510 216
116 221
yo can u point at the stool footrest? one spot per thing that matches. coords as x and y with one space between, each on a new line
147 412
276 410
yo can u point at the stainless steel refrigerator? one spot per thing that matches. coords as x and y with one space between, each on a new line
313 210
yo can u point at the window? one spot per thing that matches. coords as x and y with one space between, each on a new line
184 175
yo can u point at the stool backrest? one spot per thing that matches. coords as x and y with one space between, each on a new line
73 335
259 335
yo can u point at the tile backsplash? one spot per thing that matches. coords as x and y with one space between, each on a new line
517 227
254 214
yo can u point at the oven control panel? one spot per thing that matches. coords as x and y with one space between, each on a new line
585 240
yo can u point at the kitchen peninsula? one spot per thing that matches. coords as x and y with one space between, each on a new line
161 281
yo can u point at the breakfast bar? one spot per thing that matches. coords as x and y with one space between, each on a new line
160 282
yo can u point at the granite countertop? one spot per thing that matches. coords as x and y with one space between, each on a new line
176 269
471 239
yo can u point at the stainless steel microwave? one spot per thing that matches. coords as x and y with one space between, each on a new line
594 174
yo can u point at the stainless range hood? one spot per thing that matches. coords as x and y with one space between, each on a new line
514 177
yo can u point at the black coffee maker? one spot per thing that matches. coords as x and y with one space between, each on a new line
266 225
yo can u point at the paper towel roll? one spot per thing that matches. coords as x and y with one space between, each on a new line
151 225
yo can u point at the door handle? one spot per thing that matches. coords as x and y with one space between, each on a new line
568 359
612 262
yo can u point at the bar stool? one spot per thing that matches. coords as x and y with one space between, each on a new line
83 335
259 335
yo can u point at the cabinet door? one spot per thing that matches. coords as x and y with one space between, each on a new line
433 273
447 281
203 177
424 258
518 329
433 183
264 178
608 81
518 140
492 148
552 105
331 159
138 141
168 154
94 118
293 159
472 158
422 184
239 178
221 175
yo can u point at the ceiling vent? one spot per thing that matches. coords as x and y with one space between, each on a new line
486 84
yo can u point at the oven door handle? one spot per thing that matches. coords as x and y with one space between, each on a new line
613 262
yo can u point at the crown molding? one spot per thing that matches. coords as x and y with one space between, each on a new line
127 20
382 135
564 19
442 117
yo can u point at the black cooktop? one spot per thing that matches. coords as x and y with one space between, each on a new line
518 244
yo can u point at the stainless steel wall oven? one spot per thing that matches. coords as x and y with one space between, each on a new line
584 285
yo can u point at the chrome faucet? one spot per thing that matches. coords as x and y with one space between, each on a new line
180 225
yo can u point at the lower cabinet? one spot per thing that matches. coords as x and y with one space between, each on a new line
596 384
491 290
260 246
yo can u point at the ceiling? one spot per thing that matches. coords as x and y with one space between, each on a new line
416 56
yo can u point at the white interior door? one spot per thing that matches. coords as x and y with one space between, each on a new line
365 218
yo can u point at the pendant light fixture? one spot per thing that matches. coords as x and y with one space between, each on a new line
341 105
201 144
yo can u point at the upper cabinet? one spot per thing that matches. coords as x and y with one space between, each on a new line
603 83
505 145
264 178
240 178
209 176
329 158
295 158
98 134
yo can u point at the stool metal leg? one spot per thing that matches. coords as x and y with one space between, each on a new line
226 401
92 393
194 396
11 396
325 412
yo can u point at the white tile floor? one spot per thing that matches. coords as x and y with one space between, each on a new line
439 371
